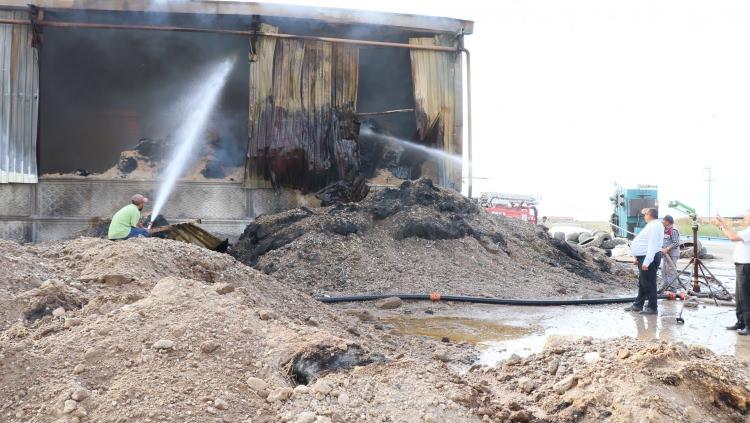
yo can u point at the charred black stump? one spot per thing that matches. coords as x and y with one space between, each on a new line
309 365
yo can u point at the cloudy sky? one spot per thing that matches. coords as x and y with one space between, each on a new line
571 97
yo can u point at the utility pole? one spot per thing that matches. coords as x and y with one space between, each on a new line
709 181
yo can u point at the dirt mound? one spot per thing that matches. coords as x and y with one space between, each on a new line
421 238
151 329
160 330
619 380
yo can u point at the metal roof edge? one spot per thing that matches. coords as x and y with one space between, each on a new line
217 7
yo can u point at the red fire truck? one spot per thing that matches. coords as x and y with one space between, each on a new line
522 207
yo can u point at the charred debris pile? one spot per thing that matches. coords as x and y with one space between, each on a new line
421 238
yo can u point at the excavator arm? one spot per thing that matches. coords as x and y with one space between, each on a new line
684 208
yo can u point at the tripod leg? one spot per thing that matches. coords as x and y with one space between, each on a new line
718 282
700 267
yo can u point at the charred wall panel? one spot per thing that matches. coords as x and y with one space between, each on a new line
302 130
434 75
19 99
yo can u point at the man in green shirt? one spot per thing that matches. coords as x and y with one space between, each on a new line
125 223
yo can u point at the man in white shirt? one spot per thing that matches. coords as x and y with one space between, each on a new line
646 248
742 268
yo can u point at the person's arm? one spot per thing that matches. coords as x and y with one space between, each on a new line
674 240
655 240
728 231
135 218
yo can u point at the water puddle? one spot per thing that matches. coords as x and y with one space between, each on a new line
457 329
501 331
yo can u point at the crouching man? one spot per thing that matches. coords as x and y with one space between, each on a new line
646 248
126 222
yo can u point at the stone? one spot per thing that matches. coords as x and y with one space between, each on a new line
163 344
207 347
526 385
623 354
223 288
69 406
441 356
115 280
361 314
513 360
389 303
79 394
301 390
280 394
79 368
521 416
80 412
321 387
552 367
306 417
565 384
58 312
265 315
70 322
92 353
220 404
311 321
343 398
256 384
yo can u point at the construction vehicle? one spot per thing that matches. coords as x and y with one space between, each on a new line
522 207
627 203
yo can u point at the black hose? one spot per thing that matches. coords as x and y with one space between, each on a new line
483 300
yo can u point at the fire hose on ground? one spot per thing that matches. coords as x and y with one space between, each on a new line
482 300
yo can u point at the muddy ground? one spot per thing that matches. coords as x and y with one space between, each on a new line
158 330
420 238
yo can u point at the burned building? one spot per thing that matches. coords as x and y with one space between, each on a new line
92 91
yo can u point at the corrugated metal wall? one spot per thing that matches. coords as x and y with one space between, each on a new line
19 101
437 82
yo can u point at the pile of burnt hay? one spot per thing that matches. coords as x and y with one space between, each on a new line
419 238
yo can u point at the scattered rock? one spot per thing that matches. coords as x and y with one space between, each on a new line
78 369
115 280
389 303
306 417
265 315
321 387
208 347
566 384
280 394
623 353
526 385
441 355
58 312
521 416
79 394
361 314
69 406
163 344
257 385
220 404
223 288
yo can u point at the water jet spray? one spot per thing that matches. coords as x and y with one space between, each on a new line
367 131
196 109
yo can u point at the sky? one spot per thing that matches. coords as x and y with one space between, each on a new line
571 97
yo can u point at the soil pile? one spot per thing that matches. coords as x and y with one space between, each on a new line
422 238
618 380
160 330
